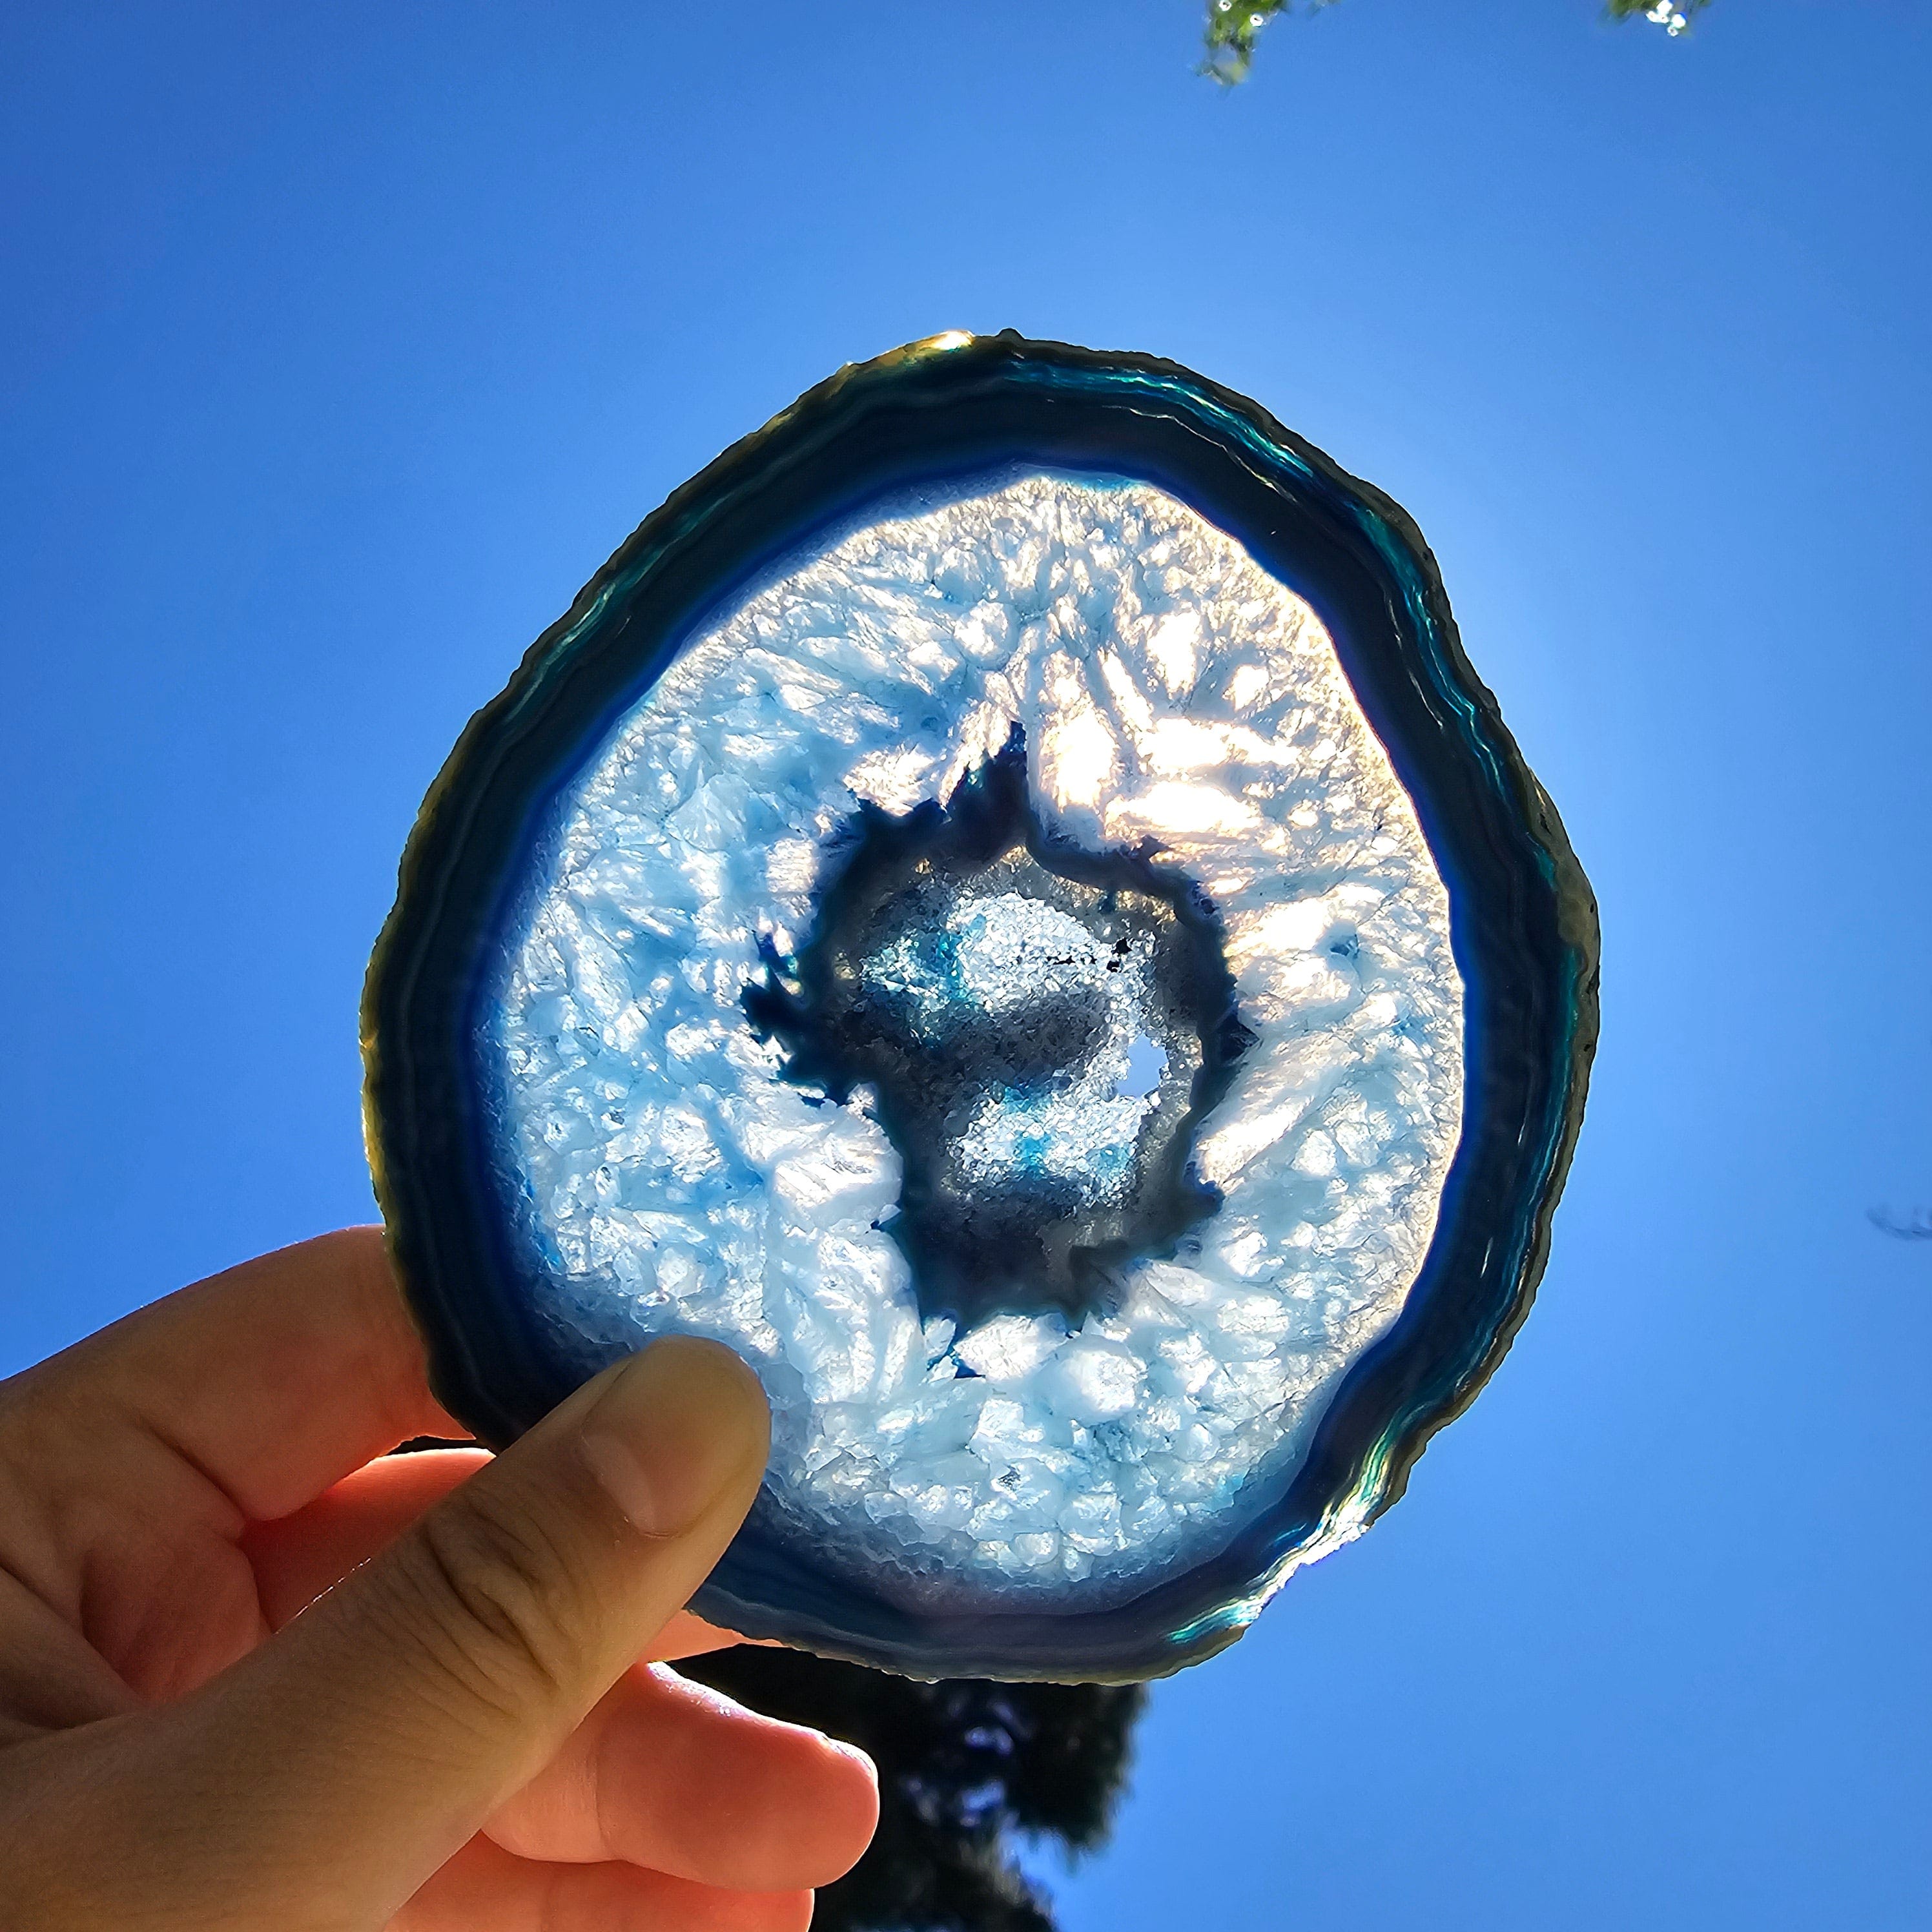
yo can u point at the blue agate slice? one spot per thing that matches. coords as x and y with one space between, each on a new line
1005 903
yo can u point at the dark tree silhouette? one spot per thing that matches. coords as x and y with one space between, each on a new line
965 1768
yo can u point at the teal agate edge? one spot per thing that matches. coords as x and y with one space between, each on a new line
1523 926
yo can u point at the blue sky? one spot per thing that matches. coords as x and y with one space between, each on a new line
340 345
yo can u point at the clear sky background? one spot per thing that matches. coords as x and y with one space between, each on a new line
340 344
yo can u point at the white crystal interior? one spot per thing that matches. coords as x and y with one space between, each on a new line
1168 688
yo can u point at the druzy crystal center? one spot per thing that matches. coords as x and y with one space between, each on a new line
1038 1029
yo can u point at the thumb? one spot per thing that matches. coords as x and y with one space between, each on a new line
370 1740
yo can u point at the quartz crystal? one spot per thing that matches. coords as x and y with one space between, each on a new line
1017 1418
993 959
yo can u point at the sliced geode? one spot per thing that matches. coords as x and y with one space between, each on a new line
1005 902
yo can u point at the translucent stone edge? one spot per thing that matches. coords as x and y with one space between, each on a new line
408 1138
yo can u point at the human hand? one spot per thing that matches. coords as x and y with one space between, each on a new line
207 1721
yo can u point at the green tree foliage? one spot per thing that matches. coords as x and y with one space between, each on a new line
964 1768
1234 26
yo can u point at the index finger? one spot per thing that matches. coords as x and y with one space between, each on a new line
272 1380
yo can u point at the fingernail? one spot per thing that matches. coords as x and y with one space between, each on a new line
678 1425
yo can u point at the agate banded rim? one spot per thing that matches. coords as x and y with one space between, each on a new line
1521 920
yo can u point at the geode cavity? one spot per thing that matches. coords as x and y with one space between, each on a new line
1039 1028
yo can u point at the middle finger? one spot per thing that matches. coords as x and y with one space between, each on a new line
666 1773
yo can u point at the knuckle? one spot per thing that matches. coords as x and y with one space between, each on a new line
501 1599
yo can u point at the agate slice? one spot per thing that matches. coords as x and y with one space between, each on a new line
1005 903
